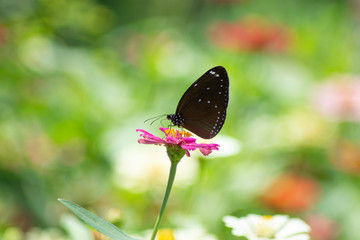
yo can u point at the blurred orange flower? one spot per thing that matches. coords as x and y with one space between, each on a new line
292 193
346 157
249 35
322 228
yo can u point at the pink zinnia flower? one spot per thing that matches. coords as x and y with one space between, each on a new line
179 138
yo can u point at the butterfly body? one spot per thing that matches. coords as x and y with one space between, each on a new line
202 108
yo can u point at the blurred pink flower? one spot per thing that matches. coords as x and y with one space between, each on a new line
292 193
322 228
339 98
177 137
249 35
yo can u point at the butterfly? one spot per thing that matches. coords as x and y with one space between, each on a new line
202 108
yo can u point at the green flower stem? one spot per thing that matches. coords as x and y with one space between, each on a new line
175 154
166 197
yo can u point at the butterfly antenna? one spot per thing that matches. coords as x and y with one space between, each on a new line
156 118
161 122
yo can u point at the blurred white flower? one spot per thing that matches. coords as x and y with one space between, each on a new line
140 167
277 227
45 234
228 146
193 233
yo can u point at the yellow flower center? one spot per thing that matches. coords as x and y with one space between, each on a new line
165 234
174 132
185 133
264 228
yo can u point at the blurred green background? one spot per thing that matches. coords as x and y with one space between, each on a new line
77 78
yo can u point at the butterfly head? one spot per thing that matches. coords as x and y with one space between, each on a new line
177 119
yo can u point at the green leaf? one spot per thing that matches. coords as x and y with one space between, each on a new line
96 222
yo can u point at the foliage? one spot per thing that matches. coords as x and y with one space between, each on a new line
78 77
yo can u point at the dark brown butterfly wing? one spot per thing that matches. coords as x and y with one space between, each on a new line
203 106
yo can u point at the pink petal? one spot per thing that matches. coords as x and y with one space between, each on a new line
204 151
143 131
204 148
163 129
188 147
211 146
148 135
189 140
146 141
171 139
